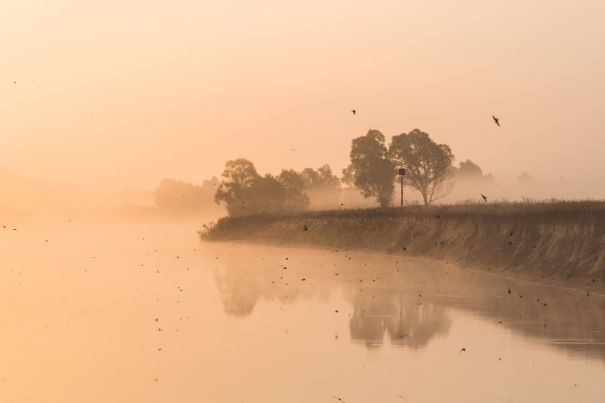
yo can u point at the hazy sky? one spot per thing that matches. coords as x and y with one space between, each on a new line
123 93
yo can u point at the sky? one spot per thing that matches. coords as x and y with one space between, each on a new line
112 94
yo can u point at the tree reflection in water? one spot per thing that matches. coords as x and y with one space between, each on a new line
408 301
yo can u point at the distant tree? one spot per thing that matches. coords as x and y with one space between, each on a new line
371 169
322 177
244 191
348 176
428 164
526 179
294 186
240 177
267 195
322 187
468 170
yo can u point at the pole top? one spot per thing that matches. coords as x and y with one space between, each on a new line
401 171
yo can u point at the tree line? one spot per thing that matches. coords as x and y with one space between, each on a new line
244 191
373 171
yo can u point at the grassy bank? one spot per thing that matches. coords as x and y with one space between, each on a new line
559 241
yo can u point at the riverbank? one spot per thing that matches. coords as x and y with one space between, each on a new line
560 242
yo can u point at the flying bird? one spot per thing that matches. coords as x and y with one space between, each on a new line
353 111
484 197
496 120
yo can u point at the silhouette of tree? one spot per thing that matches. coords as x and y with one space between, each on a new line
322 177
428 164
244 191
240 177
293 184
372 170
468 170
322 186
348 176
526 179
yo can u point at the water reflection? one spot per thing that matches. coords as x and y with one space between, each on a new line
408 301
406 321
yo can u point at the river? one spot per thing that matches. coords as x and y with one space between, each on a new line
133 311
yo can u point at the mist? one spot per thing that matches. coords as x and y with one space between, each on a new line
175 91
302 201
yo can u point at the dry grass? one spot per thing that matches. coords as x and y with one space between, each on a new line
555 210
554 239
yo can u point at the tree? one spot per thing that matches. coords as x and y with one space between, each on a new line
322 187
348 175
244 191
240 177
428 165
322 177
294 196
526 179
372 171
468 170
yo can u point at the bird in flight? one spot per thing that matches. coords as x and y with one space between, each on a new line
484 197
353 111
496 120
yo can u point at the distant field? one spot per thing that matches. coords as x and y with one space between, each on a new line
557 241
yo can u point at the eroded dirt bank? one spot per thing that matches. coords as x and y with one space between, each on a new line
561 243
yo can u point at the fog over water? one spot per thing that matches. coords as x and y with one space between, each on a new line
83 302
122 123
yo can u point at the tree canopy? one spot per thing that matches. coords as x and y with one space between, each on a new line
468 170
428 165
244 191
371 170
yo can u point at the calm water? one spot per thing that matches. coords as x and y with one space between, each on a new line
82 305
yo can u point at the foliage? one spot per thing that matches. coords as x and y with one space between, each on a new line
244 191
468 170
294 196
428 165
320 178
371 169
